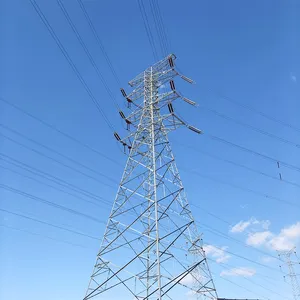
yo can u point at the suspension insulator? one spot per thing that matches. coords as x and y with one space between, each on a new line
194 129
172 85
123 92
117 136
122 114
170 107
171 63
187 79
189 101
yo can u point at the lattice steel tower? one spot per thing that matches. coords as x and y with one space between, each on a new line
151 248
291 276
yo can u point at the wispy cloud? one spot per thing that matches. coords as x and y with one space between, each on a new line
258 238
218 253
243 272
243 225
240 226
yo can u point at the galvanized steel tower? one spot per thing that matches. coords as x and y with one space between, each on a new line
289 269
151 248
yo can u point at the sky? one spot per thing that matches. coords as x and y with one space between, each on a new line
244 58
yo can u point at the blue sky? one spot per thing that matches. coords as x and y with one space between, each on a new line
247 51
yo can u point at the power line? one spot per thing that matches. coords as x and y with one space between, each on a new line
245 189
264 156
55 160
87 52
48 224
99 42
49 177
51 126
51 186
147 28
162 26
239 165
56 152
71 63
250 108
259 130
245 149
158 28
42 235
49 203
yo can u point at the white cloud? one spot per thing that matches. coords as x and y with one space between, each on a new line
253 222
292 232
218 253
286 239
187 280
245 272
258 238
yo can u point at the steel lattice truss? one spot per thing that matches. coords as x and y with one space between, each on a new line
151 248
291 275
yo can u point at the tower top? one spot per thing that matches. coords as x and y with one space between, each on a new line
155 84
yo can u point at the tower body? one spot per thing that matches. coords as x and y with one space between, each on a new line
151 248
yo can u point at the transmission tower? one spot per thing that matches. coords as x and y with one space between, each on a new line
290 275
151 248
